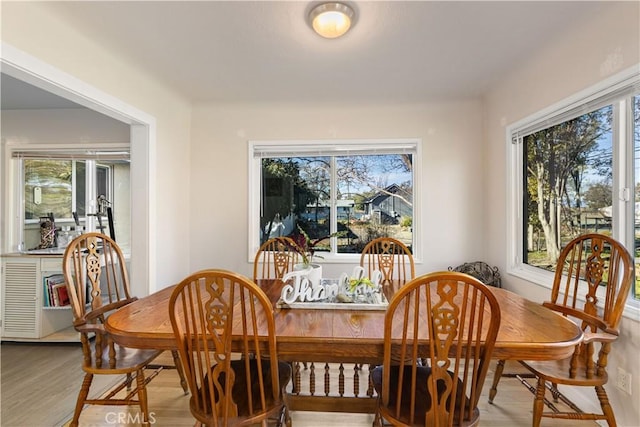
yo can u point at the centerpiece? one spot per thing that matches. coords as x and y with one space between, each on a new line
359 288
304 287
356 290
307 248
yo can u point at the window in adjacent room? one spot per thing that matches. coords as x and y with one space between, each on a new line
353 191
59 184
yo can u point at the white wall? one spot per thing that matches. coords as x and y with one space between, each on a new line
34 29
452 175
586 54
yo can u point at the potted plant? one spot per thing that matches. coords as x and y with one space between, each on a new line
307 247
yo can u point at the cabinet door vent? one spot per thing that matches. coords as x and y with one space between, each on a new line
20 303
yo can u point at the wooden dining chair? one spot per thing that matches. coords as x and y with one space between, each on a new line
389 256
275 258
439 334
225 332
591 284
96 277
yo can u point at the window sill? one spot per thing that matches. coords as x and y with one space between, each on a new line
544 279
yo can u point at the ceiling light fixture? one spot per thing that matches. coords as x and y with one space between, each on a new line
331 20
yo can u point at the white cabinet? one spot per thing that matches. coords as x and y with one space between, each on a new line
25 315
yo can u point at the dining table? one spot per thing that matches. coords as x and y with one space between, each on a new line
528 331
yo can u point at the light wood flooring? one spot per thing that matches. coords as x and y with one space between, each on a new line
47 399
39 383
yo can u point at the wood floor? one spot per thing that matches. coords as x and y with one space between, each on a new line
47 399
39 383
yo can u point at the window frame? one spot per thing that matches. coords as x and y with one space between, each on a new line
89 194
332 147
618 91
96 156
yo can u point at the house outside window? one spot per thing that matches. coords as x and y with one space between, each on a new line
575 169
341 194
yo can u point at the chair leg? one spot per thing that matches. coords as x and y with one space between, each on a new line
377 418
282 420
538 403
82 397
496 379
142 396
555 393
287 417
178 364
606 406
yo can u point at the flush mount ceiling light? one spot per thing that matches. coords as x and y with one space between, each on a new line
331 20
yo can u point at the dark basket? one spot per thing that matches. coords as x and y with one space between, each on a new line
481 271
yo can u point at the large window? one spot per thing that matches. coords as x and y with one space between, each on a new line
576 170
341 194
568 184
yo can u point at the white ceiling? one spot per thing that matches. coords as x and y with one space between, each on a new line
265 51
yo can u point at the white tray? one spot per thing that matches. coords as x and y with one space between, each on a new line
323 305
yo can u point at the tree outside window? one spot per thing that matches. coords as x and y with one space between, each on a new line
568 184
356 197
578 172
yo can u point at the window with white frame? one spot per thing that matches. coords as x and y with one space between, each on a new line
58 186
70 189
338 194
575 169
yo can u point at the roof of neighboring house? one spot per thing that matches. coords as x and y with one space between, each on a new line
607 212
383 194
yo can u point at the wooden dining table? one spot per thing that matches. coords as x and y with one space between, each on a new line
528 331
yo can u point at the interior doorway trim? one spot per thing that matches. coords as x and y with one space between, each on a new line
30 69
